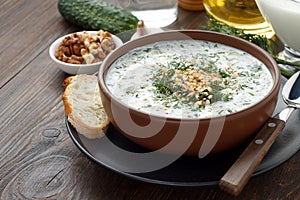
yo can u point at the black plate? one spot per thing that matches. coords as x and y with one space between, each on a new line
184 171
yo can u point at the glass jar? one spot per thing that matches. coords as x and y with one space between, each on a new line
192 5
154 13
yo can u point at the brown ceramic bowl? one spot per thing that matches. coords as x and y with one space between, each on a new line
190 136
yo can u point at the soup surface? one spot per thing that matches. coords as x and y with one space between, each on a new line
188 79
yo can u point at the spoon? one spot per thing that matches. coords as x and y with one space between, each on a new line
240 172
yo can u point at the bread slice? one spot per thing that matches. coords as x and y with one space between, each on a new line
83 105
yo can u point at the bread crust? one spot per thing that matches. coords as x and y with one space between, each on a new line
71 84
67 81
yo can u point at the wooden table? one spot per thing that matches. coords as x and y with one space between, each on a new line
38 160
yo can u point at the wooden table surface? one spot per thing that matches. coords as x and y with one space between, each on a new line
38 160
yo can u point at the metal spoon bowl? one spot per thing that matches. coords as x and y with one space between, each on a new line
291 91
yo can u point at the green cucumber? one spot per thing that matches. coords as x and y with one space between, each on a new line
96 15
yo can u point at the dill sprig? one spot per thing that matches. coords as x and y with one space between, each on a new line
262 41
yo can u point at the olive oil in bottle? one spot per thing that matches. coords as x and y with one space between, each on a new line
242 14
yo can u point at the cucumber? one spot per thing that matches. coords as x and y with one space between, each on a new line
96 15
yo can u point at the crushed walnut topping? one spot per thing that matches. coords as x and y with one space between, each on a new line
189 85
195 85
85 48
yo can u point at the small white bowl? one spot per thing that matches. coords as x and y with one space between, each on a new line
78 68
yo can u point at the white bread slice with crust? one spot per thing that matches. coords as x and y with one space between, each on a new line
83 105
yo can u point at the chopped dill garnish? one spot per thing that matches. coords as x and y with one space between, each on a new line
224 74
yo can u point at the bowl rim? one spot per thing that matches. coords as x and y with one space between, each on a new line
274 70
56 43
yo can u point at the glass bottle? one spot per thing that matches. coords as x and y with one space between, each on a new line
242 14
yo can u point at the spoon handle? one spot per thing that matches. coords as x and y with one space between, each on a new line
240 172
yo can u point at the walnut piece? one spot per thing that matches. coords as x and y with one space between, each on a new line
85 48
